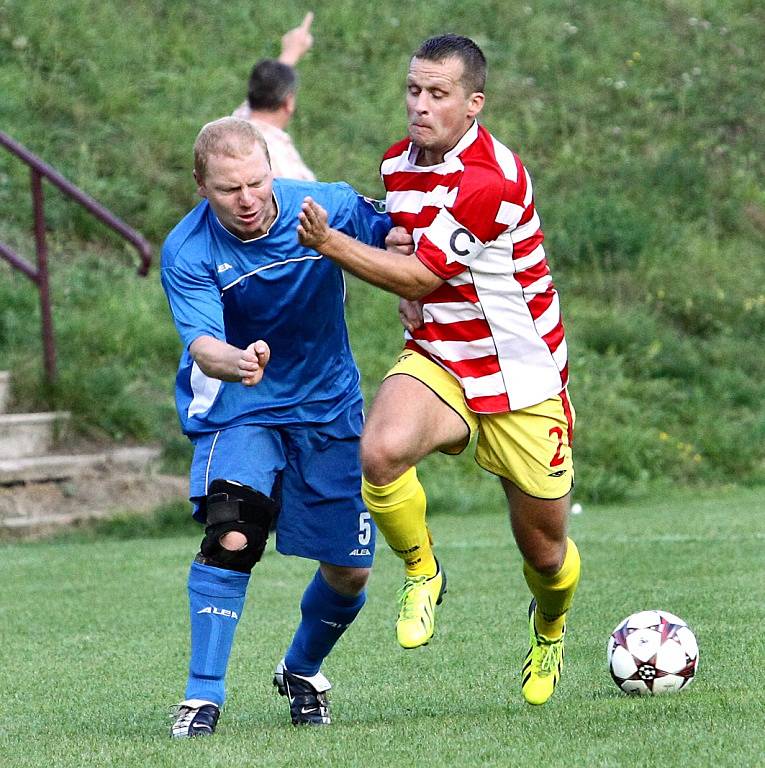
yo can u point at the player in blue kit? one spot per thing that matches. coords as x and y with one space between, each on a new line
268 392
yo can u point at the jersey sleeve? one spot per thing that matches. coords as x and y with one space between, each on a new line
194 299
363 218
462 229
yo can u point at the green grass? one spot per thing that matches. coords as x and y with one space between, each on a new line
94 640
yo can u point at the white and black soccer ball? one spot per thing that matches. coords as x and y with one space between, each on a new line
652 652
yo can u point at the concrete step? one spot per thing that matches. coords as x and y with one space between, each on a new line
5 385
37 509
28 434
52 467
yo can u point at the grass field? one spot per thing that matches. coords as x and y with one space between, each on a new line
94 652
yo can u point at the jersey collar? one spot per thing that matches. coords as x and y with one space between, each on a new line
252 239
467 139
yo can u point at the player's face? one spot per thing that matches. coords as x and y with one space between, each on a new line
439 110
239 190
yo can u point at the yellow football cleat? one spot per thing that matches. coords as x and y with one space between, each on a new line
543 664
417 601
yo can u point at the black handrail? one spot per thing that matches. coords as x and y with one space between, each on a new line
39 169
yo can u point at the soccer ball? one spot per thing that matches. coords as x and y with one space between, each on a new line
652 652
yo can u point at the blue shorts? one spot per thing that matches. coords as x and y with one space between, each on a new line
313 472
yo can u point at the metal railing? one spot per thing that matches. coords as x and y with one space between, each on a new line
39 274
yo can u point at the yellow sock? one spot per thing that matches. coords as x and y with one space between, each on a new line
398 509
554 594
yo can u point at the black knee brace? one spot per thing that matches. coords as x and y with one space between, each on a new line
230 506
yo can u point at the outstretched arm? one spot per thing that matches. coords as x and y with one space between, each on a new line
297 42
400 273
223 361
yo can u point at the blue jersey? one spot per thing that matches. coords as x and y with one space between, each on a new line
271 288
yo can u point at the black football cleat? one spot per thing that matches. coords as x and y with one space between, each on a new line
194 717
307 696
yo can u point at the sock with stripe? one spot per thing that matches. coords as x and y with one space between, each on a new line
554 594
216 599
398 509
325 615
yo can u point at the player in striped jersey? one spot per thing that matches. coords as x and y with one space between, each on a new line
485 348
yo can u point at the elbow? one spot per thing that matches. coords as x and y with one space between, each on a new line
410 280
415 290
411 293
202 352
418 283
205 367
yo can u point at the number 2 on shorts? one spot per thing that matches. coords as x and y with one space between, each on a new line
558 459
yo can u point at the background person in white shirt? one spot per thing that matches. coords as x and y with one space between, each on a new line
271 99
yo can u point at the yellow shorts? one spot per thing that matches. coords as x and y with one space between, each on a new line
530 447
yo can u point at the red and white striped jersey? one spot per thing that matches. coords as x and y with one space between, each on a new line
495 323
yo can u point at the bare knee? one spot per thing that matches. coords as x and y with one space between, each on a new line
539 528
546 559
382 459
345 580
233 541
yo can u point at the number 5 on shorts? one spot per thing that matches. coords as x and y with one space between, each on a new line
365 528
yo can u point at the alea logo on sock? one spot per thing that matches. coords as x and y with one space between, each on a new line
335 624
219 612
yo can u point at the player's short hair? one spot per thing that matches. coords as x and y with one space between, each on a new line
229 136
270 83
450 46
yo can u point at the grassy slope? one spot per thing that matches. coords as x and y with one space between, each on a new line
95 637
641 124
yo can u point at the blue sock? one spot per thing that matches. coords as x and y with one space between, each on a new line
216 599
326 614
